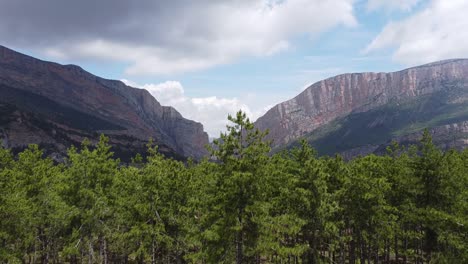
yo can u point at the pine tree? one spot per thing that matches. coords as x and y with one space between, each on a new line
89 177
242 206
427 169
242 154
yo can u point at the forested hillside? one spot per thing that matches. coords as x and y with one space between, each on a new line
408 206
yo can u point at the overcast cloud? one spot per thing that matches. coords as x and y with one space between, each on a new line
211 111
165 37
437 32
155 40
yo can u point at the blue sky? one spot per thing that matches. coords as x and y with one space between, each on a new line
208 60
335 51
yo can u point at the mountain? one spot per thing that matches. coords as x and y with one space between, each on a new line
57 106
361 113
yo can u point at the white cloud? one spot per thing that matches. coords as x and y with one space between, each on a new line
211 111
403 5
437 32
201 36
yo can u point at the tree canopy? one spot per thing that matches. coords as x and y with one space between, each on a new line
241 205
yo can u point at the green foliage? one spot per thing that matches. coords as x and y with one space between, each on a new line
241 206
378 126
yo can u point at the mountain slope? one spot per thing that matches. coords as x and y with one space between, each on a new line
360 113
59 105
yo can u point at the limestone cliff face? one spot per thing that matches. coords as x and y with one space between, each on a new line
339 96
70 101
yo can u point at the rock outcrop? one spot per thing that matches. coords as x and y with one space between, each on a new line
450 136
59 105
337 97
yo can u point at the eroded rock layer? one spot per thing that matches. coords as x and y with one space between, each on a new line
59 105
335 98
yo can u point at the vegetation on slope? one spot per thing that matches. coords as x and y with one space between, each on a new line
410 205
379 126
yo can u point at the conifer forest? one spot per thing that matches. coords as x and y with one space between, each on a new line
241 205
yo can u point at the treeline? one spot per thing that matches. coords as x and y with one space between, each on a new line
409 206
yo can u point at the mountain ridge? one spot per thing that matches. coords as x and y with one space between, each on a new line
135 110
352 93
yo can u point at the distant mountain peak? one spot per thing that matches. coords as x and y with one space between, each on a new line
338 97
441 62
67 100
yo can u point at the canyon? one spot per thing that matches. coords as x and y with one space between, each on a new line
359 113
57 106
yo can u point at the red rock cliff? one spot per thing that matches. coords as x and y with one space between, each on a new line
338 96
76 102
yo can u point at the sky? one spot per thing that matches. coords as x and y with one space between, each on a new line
210 58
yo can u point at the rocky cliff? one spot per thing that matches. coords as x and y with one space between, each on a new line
378 102
59 105
453 135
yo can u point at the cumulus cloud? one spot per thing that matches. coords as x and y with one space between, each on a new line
437 32
391 5
211 111
164 37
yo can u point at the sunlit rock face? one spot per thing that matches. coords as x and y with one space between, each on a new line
337 97
59 105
